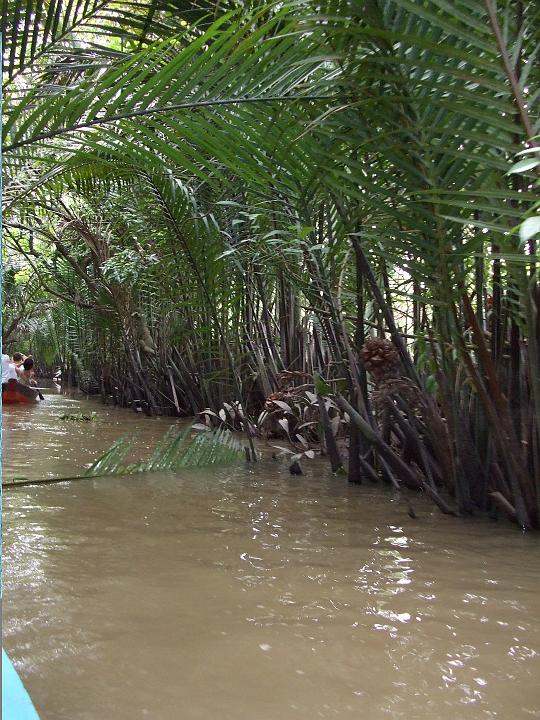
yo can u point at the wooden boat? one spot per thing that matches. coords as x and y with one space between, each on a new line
16 392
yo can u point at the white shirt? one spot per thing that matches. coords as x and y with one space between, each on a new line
5 368
8 369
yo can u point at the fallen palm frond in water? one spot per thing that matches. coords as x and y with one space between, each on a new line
173 452
110 463
78 417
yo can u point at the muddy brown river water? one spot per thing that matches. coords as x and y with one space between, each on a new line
244 593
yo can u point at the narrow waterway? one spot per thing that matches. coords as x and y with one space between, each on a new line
244 592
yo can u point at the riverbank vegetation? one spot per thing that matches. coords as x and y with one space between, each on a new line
311 221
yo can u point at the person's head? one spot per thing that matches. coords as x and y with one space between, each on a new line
18 358
28 364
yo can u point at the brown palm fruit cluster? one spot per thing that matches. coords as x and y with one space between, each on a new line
381 359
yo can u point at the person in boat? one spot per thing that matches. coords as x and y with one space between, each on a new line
12 367
26 371
9 367
6 370
17 359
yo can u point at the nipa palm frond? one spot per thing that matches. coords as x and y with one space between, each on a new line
110 463
174 451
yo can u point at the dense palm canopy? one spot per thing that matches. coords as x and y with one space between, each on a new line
212 204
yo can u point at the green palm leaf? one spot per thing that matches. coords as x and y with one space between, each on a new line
173 452
61 35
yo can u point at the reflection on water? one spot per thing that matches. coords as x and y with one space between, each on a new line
246 593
